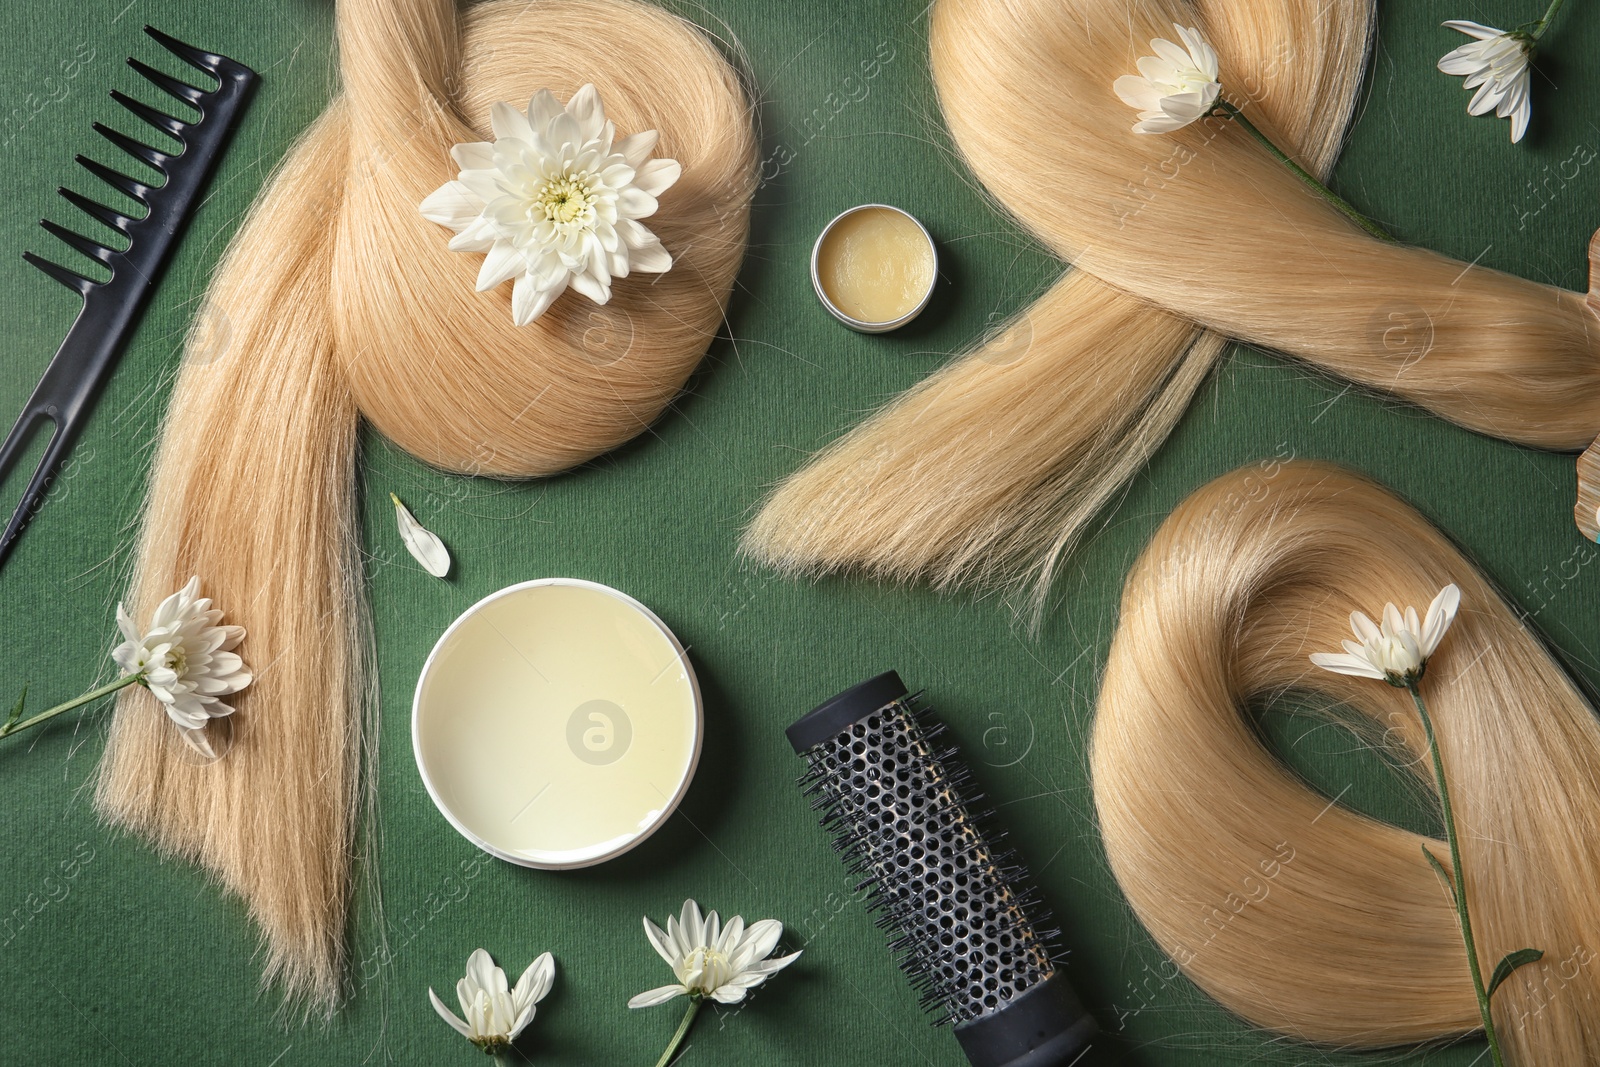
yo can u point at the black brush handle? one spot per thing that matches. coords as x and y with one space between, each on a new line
62 400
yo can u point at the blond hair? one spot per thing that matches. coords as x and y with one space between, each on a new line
990 469
1296 913
342 302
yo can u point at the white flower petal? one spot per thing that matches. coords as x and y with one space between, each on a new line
1473 29
773 966
660 942
1345 664
528 301
189 716
125 624
482 184
1463 60
637 148
1201 54
762 938
1364 628
196 739
691 925
1393 622
732 936
452 205
1441 613
585 108
1485 99
1158 122
661 995
478 235
728 994
1174 55
502 262
634 203
449 1016
658 175
508 123
564 136
535 983
520 1023
1137 92
591 287
543 109
423 544
473 155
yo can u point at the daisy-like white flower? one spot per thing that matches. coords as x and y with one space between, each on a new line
1495 63
186 659
554 200
711 960
495 1011
1396 652
1174 87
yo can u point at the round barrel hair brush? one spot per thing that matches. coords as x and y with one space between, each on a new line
962 916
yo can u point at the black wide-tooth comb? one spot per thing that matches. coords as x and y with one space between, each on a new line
111 308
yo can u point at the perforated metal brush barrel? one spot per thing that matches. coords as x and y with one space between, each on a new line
962 916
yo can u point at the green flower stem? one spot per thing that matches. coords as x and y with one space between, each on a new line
1338 202
1544 24
94 694
683 1031
1460 884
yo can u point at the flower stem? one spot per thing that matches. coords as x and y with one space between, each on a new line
1460 885
683 1031
1338 202
94 694
1543 24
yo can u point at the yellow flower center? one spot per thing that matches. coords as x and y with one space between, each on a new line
713 967
564 199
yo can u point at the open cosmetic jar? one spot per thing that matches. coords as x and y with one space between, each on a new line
874 268
557 723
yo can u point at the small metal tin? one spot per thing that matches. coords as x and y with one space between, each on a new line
857 324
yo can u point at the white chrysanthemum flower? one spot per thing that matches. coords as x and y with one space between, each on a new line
186 660
712 960
1398 651
1496 64
553 202
1175 86
495 1012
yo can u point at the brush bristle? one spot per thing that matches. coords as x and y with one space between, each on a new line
967 927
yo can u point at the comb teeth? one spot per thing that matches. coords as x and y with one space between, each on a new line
167 83
116 179
197 58
71 279
159 119
137 149
88 246
96 210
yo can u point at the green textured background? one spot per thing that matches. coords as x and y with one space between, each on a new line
109 955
